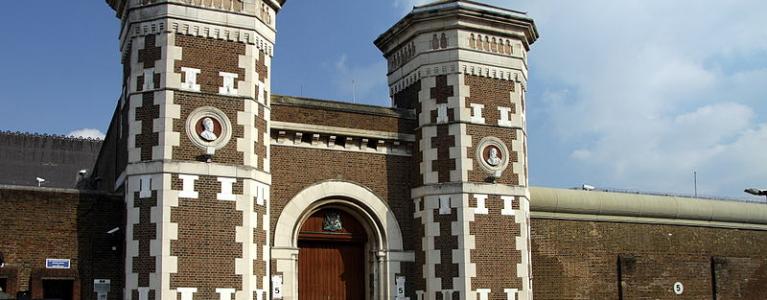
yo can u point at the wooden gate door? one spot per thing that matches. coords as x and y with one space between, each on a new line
331 257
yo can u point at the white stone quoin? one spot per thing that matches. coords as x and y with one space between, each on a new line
228 88
190 79
226 189
476 113
188 186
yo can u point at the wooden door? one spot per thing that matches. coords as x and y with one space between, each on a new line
57 289
331 258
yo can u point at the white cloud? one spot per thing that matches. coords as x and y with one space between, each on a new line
645 92
641 93
366 83
87 133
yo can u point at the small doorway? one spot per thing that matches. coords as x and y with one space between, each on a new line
331 257
4 285
57 289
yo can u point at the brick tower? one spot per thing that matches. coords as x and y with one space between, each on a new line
194 127
462 66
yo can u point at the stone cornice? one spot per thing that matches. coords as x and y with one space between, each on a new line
326 138
475 69
196 29
458 14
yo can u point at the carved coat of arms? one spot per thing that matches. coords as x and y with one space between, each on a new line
332 222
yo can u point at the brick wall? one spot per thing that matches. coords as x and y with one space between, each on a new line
580 260
46 223
191 101
495 236
408 97
294 169
211 56
740 278
508 136
206 246
337 118
389 177
493 93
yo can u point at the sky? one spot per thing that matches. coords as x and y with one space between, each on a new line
625 94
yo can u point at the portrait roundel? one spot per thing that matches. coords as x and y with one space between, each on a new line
493 156
208 127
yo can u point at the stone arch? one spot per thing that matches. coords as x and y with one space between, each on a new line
384 230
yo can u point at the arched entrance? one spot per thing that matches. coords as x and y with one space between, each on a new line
331 256
383 240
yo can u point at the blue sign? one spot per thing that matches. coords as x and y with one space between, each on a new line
57 263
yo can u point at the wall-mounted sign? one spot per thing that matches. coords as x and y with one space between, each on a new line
101 288
57 263
277 287
678 288
400 284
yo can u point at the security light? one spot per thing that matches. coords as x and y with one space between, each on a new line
756 192
40 181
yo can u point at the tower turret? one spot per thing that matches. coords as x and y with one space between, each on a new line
195 132
462 66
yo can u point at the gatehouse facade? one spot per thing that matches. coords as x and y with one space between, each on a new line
208 186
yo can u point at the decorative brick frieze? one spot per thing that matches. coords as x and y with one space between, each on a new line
439 41
196 29
402 56
336 142
493 44
468 68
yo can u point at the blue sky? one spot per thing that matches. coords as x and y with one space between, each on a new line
632 94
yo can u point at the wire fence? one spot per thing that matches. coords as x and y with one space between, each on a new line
751 199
